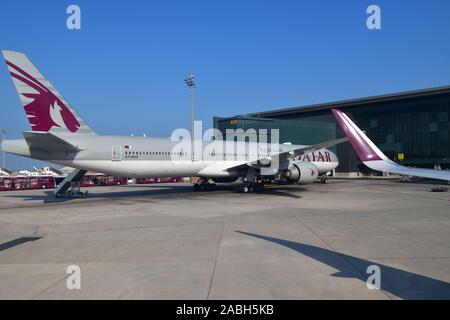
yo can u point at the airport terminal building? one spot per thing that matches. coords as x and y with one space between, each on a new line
412 128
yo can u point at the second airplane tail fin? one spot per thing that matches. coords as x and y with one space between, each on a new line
46 109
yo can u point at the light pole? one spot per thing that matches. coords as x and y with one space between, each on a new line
5 133
190 81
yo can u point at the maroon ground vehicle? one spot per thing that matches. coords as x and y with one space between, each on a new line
158 180
5 183
93 180
41 182
10 183
26 183
146 180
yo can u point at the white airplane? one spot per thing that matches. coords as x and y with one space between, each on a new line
372 157
59 135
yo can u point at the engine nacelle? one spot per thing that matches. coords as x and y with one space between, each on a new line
302 172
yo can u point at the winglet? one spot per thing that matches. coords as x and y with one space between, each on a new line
366 149
372 157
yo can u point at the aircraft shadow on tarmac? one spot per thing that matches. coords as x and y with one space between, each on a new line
403 284
17 242
277 191
49 197
153 190
424 181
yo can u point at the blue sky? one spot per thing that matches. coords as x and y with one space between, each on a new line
123 71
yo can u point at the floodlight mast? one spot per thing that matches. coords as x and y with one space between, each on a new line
190 81
4 133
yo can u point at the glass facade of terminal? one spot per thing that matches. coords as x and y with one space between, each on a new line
416 125
298 131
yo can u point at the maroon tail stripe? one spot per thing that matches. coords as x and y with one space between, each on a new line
26 81
26 74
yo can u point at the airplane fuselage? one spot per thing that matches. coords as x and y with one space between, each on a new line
152 157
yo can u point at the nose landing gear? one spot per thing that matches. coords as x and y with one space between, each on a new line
324 179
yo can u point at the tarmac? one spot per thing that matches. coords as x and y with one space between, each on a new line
164 241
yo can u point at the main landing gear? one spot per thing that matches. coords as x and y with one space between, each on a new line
251 183
204 184
250 187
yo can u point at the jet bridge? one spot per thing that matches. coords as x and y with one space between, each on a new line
70 186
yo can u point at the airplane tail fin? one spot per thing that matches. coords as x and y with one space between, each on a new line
46 109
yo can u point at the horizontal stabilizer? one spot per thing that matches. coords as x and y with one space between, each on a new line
49 142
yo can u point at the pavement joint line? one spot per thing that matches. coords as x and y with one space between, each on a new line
437 242
109 249
81 267
342 256
408 193
35 297
355 209
405 258
215 262
132 228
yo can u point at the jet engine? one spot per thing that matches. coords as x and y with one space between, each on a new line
302 172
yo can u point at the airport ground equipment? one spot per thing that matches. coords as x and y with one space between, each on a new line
70 186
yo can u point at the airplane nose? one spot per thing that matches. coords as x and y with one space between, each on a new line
333 157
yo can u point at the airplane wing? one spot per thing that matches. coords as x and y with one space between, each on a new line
300 151
372 157
48 142
283 157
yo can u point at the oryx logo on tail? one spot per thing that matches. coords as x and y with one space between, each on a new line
45 107
45 110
